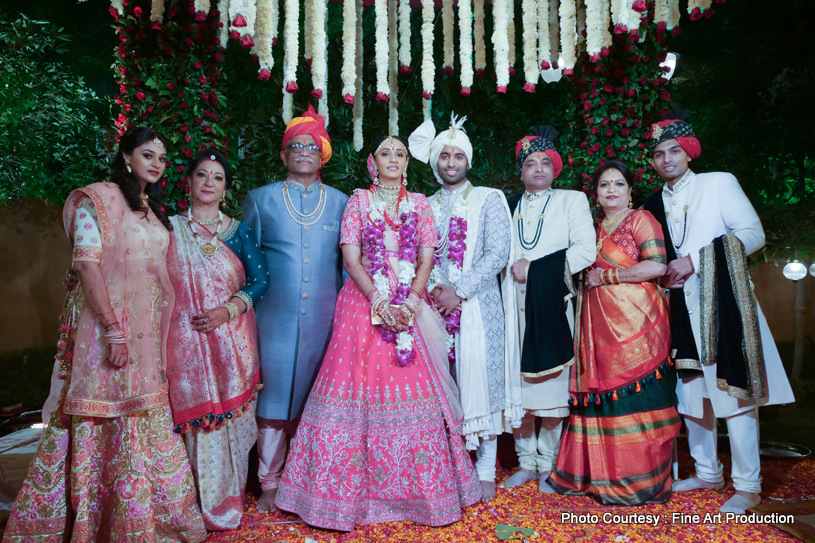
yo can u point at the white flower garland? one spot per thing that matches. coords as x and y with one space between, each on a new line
428 68
291 35
703 5
308 29
264 34
287 111
605 12
511 35
500 44
458 209
554 30
478 36
202 5
661 12
634 17
447 24
381 44
594 30
223 12
319 69
393 70
156 10
529 9
118 5
465 46
348 74
245 8
357 111
404 35
544 41
568 34
673 14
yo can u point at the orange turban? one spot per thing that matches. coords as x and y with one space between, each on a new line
312 124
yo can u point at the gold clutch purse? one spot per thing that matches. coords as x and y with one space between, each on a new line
376 319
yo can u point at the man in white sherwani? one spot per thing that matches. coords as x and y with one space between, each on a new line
474 240
552 239
704 217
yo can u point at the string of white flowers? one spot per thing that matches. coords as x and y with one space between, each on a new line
581 25
288 106
357 112
118 5
605 25
264 39
594 37
661 12
701 4
673 14
500 44
291 35
381 44
308 29
465 45
544 44
319 70
428 68
554 29
568 34
243 13
404 36
619 13
478 37
447 25
202 5
156 10
511 35
348 74
633 18
393 70
426 109
223 12
529 10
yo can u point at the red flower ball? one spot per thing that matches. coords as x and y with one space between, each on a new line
140 96
137 11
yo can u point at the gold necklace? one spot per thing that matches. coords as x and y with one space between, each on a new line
388 196
209 248
609 223
144 197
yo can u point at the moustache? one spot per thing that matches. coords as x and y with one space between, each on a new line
304 159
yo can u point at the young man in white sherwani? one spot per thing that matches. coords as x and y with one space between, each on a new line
465 289
695 210
552 239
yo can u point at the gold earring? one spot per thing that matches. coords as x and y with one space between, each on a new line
630 204
127 166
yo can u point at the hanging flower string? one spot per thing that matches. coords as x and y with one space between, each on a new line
408 251
223 12
242 27
349 51
428 68
265 30
594 30
568 35
500 44
465 46
447 23
404 37
393 71
530 44
478 39
291 35
381 44
554 32
511 36
156 13
319 68
357 112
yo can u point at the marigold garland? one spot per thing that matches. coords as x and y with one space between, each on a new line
404 37
447 24
348 73
428 68
465 46
529 10
500 43
479 38
381 45
568 35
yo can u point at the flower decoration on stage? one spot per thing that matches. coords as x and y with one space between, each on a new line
530 44
374 250
428 68
568 35
479 39
447 24
465 46
242 17
501 43
381 49
291 46
265 36
404 37
348 74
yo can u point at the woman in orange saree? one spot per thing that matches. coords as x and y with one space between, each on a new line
623 419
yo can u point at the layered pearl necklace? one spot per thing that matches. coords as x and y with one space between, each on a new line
304 219
209 248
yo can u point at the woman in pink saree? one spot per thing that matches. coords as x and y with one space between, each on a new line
218 273
109 467
378 440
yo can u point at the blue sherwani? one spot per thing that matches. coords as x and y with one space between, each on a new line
294 317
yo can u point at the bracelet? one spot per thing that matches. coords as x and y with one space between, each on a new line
604 278
411 305
116 336
615 279
419 294
368 294
232 309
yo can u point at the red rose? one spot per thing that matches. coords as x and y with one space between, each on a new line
113 13
545 65
202 79
182 204
586 105
609 133
448 70
207 129
639 6
239 21
631 93
605 121
188 42
200 16
171 86
465 91
197 121
589 122
291 87
348 99
246 41
594 131
218 58
137 11
197 64
695 15
583 145
512 70
625 132
156 25
529 87
404 70
184 105
165 103
234 35
187 139
264 74
480 73
186 152
317 93
140 96
607 87
426 95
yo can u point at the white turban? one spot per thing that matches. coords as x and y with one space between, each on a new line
426 146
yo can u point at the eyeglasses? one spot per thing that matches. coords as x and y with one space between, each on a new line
297 147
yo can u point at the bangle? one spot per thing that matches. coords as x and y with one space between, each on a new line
116 336
616 277
114 323
411 305
232 309
419 294
368 294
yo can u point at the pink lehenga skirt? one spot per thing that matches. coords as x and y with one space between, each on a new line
378 442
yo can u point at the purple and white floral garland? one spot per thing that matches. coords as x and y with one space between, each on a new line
374 250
